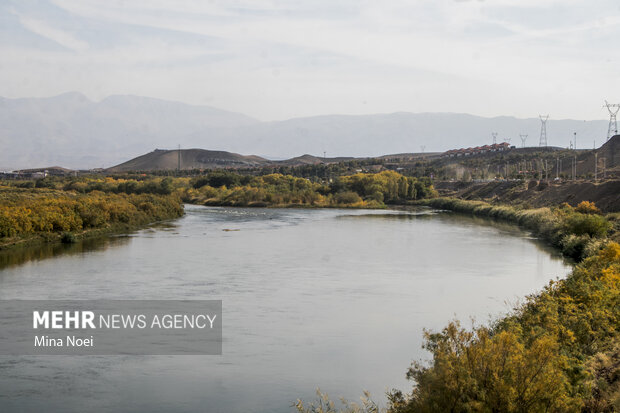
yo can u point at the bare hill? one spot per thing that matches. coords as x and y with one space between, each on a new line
312 160
537 194
161 159
607 158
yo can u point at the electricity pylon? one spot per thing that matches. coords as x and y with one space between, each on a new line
613 109
543 130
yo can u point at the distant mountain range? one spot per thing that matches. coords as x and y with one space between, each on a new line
75 132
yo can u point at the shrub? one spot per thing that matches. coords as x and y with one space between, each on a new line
586 207
574 246
592 225
347 198
68 238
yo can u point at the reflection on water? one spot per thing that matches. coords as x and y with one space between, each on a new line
21 255
326 297
455 219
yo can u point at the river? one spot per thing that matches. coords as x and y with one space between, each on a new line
329 298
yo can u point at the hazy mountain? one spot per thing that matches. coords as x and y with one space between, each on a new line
72 131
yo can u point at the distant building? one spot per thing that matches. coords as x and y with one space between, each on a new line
496 147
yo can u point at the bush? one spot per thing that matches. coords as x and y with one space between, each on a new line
347 198
68 238
586 207
574 246
217 179
584 224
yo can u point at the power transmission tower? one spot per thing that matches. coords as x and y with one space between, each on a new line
613 109
523 138
543 130
494 134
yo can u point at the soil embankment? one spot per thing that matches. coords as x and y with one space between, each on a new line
606 194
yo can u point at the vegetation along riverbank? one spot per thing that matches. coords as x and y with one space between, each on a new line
68 208
575 231
34 215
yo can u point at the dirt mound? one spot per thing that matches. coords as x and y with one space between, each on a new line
606 194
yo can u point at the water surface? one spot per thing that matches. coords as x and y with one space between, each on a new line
329 298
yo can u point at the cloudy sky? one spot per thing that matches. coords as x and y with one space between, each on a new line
277 59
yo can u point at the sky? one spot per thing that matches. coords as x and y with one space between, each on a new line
279 59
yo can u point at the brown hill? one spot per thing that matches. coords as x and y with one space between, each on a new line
537 193
312 160
607 158
161 159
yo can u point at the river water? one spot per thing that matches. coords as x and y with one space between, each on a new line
336 299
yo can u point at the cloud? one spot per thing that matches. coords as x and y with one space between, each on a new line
279 58
61 37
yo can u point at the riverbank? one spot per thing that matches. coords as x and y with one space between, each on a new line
362 190
558 351
576 231
68 209
31 216
537 193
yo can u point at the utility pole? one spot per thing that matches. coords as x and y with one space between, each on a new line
523 139
179 159
543 130
575 168
494 134
613 109
575 145
595 166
